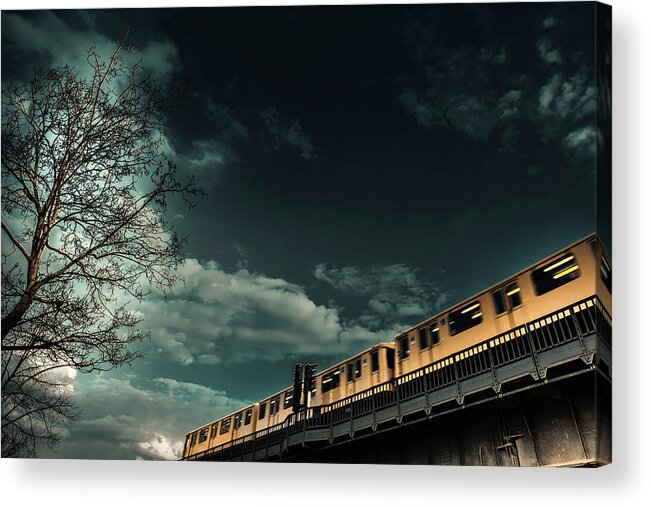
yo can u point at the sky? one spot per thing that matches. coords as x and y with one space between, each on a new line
364 167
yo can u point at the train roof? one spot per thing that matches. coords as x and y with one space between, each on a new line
440 314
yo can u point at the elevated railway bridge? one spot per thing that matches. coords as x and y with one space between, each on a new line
538 395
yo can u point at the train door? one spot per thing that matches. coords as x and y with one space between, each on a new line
508 306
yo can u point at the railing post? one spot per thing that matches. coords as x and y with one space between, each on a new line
496 385
399 416
456 380
584 348
537 373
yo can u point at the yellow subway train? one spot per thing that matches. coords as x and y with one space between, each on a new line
578 272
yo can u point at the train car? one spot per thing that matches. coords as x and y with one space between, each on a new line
577 272
275 409
367 369
233 426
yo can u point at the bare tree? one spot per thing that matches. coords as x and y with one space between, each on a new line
85 184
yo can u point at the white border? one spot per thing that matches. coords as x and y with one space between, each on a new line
626 482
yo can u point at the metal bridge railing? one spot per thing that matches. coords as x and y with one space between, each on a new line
568 324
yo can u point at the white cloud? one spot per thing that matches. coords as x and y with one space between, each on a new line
548 53
47 34
217 316
125 417
550 22
396 295
582 140
573 97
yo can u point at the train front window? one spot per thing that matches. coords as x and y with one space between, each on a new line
403 343
422 338
375 360
514 295
263 410
193 440
391 358
434 334
225 426
556 273
606 273
465 318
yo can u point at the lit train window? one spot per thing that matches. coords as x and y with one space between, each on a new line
403 345
289 398
375 360
330 381
274 406
498 301
465 318
514 295
213 431
606 273
225 426
238 420
247 417
434 334
422 338
203 435
556 273
262 411
358 368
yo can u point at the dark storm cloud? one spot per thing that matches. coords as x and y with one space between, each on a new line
51 38
395 294
287 133
481 90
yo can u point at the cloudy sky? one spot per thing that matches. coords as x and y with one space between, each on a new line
364 167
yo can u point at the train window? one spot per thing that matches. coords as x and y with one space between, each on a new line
555 274
213 431
606 273
194 438
514 295
225 426
403 343
274 406
422 338
203 435
350 367
238 420
330 381
248 416
289 398
375 360
390 359
262 411
358 368
434 334
498 301
465 318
